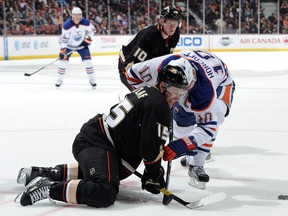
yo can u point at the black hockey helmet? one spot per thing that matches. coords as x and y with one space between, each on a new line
178 73
170 12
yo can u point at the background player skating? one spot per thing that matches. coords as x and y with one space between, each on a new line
77 34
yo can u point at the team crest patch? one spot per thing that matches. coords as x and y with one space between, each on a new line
92 171
77 36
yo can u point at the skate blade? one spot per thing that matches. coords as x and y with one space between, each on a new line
22 175
18 197
200 185
209 160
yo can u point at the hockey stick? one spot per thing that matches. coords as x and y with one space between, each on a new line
208 200
29 74
166 199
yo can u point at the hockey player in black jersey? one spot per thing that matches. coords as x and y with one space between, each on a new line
152 41
135 130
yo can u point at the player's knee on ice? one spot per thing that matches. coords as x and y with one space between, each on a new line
97 194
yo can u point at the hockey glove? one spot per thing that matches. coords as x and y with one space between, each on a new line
153 185
63 54
86 42
63 51
180 147
88 39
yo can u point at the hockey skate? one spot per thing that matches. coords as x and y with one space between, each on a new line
26 175
185 160
198 177
58 83
38 189
93 83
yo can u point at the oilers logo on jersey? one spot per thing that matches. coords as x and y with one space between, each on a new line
77 36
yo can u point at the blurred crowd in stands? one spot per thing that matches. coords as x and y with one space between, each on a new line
45 17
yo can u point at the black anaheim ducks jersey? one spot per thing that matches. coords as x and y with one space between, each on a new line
137 127
149 43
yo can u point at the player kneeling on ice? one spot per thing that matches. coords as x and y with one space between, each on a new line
198 114
135 130
77 34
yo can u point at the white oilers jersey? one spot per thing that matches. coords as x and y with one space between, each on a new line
73 35
207 102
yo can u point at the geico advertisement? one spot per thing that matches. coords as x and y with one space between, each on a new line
23 46
193 42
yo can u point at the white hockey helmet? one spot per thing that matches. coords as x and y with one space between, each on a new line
179 73
76 10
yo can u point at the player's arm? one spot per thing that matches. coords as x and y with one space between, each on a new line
63 41
88 38
155 133
64 38
140 74
88 31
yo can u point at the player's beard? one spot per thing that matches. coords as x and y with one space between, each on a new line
171 99
173 94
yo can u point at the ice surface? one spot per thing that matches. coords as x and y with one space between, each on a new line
38 124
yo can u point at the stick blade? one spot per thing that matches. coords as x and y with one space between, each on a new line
211 199
27 74
166 200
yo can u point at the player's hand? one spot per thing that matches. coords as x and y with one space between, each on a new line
63 51
153 185
180 147
87 40
169 154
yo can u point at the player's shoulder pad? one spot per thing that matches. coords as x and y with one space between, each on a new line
85 22
68 24
150 32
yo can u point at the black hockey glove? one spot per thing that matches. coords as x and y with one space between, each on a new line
153 185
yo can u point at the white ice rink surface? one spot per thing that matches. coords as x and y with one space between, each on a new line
38 124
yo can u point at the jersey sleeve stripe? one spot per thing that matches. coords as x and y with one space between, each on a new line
204 150
227 96
208 132
207 145
133 79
